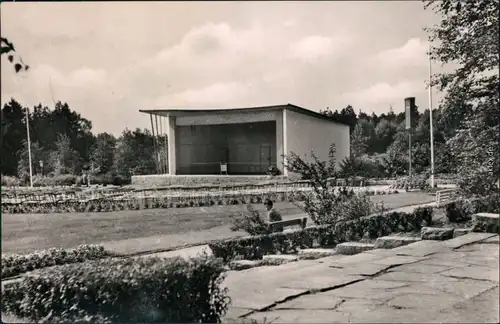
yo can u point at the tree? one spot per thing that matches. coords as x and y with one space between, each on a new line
468 36
7 48
135 153
361 137
64 159
103 152
23 166
13 134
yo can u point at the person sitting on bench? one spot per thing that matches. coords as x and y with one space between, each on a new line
272 214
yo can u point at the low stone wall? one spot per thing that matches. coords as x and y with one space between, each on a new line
161 180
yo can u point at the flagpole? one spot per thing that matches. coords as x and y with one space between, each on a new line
430 117
29 146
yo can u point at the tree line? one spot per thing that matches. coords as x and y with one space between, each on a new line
62 142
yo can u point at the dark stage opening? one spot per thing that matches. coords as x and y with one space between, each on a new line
247 148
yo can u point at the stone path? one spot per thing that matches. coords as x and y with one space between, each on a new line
454 281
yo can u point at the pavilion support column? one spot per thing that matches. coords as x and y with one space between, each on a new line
172 158
279 142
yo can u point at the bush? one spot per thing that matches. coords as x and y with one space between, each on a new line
459 211
8 181
13 265
255 247
57 180
145 290
250 222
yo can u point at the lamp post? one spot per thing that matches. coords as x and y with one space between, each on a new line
409 104
41 166
430 117
29 146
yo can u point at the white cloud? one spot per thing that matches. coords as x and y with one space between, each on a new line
383 93
315 47
412 53
216 95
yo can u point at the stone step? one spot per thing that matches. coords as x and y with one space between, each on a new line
244 264
461 231
488 222
391 242
351 248
436 233
312 254
280 258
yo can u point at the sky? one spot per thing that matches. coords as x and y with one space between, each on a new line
107 60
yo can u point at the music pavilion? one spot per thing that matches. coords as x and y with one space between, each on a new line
243 141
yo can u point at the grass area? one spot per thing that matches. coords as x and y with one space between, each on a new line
142 230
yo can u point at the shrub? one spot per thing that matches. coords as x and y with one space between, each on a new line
8 181
459 211
144 290
255 247
250 222
16 264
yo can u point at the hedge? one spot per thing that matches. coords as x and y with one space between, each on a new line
145 290
15 264
462 210
255 247
107 205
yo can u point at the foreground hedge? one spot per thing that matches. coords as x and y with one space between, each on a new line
255 247
15 264
108 205
143 290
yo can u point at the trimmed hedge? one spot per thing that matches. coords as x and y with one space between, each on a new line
144 290
255 247
107 205
15 264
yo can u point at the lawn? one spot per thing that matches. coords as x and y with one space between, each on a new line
142 230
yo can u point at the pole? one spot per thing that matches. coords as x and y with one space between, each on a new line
430 117
154 142
29 146
409 148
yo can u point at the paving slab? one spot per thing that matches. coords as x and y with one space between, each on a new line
301 316
312 301
262 297
414 277
470 238
492 240
473 272
420 249
365 269
319 282
414 300
369 289
422 268
398 260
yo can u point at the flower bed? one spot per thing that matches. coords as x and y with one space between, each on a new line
255 247
145 290
15 264
108 205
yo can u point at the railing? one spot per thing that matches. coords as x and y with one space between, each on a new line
445 196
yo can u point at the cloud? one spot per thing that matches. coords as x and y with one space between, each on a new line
315 47
412 53
383 93
216 95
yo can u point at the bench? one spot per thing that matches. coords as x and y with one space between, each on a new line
275 226
445 196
